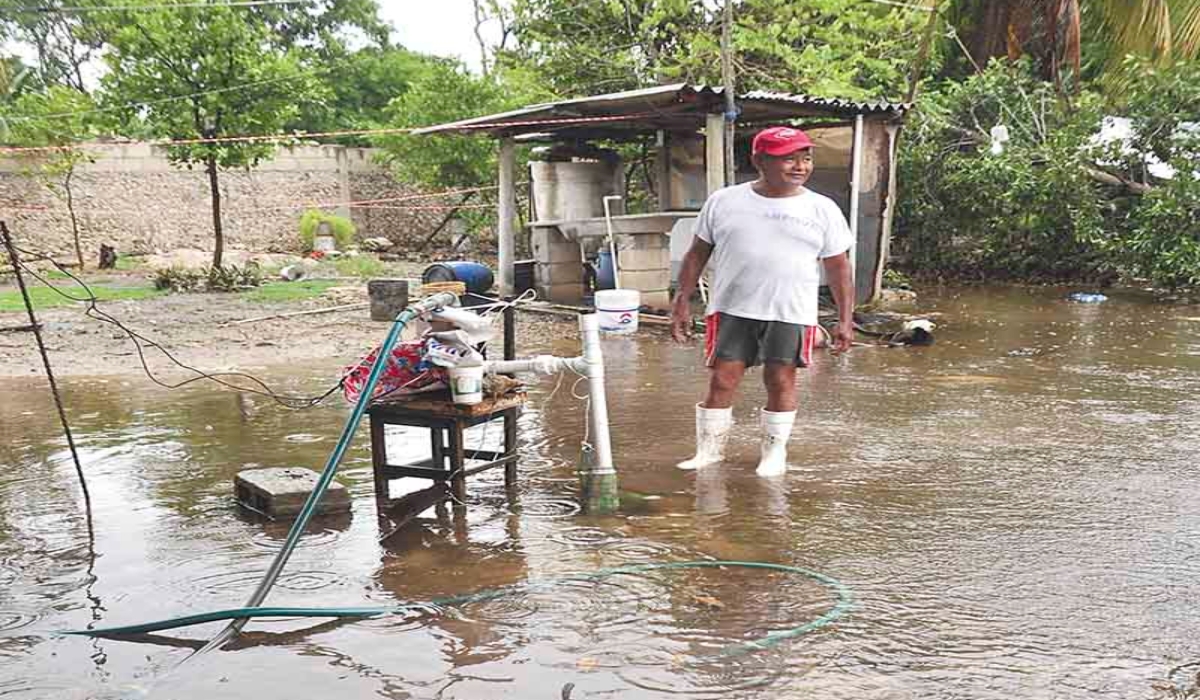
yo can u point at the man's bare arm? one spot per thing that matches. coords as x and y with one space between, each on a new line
689 276
840 278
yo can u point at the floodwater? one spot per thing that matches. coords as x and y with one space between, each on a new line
1015 511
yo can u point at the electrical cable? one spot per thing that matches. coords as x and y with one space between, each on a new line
94 312
129 105
844 602
50 9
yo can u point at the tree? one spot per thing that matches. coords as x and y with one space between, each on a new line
593 47
446 92
359 87
1052 32
63 41
205 73
836 48
59 117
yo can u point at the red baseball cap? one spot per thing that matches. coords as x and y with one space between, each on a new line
780 141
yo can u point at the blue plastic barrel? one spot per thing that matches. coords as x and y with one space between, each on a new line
606 277
477 276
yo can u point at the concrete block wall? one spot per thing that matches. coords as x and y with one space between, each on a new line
644 259
645 263
133 198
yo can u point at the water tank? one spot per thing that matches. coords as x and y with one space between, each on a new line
566 189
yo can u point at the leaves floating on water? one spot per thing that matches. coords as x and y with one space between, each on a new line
708 601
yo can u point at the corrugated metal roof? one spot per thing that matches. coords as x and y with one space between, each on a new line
677 105
835 103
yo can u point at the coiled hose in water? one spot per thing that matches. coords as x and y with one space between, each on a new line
843 602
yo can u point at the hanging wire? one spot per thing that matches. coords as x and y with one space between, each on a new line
130 105
94 311
50 9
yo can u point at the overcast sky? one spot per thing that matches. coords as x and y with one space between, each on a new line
440 27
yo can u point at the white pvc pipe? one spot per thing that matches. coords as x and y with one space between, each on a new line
612 242
589 324
542 364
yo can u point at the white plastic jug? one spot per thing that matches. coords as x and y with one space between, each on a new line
617 310
466 384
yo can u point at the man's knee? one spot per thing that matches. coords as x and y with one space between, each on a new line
726 377
779 376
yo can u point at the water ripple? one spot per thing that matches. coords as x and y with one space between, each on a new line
546 508
14 620
245 581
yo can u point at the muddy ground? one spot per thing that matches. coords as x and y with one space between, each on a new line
201 331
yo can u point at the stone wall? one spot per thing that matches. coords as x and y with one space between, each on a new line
132 198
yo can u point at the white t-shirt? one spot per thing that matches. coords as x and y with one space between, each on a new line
767 251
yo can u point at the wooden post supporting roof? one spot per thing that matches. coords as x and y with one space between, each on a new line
714 151
856 159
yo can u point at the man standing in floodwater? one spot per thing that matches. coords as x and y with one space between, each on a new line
767 241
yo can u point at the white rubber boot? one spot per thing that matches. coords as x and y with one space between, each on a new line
712 432
776 428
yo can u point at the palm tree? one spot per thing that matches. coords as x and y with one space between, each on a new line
1049 31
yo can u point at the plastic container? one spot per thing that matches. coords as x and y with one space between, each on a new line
617 310
605 275
1087 297
477 276
466 384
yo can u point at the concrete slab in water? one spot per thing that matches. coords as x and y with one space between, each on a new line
281 491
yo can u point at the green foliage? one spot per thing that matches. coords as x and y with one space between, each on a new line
1156 237
1031 212
1162 242
1164 106
446 92
835 48
182 52
360 85
57 116
341 228
832 48
64 42
226 278
895 279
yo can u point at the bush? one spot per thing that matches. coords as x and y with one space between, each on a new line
1028 213
1162 243
227 278
340 227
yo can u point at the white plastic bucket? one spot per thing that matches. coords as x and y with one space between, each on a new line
617 310
466 384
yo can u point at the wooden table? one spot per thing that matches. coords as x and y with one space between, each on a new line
446 422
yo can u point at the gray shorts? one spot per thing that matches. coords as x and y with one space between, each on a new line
728 337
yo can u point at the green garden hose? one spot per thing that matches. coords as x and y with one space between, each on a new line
843 603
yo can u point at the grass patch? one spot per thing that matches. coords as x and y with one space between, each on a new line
288 291
360 266
46 298
126 262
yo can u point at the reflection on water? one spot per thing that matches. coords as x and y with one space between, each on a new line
1015 509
